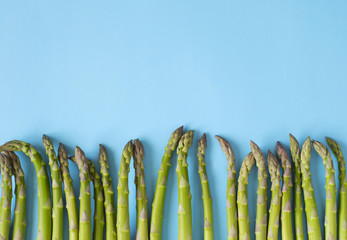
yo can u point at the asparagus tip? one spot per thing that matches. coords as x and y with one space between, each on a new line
281 152
138 150
202 144
320 148
225 145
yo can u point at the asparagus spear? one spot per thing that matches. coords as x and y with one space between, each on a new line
19 223
330 222
45 207
141 196
6 197
261 218
298 210
85 224
57 211
275 207
313 227
242 201
71 204
231 188
286 204
159 196
185 230
99 215
123 228
205 188
343 187
111 229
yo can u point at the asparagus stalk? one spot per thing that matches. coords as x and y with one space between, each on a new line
185 230
45 208
286 204
123 228
313 227
275 207
343 187
242 200
141 196
330 222
57 211
261 218
71 204
85 224
298 210
231 188
99 215
159 196
205 188
19 223
111 229
6 197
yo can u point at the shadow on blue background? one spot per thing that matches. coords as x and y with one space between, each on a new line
88 73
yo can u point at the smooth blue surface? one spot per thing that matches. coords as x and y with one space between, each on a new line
87 72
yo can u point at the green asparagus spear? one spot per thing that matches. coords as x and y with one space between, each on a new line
286 204
85 224
330 222
141 196
71 204
159 196
57 192
242 199
231 189
261 218
205 188
276 194
343 187
185 230
6 197
298 210
123 228
19 223
99 215
45 206
111 228
313 227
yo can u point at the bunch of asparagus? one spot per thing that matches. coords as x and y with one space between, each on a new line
115 217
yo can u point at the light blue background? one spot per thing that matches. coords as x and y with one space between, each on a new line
87 73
